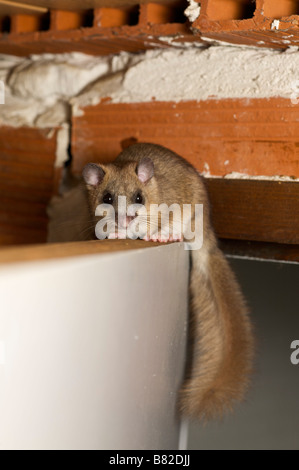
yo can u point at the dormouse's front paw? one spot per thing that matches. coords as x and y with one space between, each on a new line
155 237
163 237
176 238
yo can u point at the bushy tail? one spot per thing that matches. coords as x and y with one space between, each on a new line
222 345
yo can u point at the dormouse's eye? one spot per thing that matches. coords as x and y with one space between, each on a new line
108 198
138 198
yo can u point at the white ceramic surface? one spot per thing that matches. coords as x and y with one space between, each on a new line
92 350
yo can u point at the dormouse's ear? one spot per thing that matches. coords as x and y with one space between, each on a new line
93 174
145 170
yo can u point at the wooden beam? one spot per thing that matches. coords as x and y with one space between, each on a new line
64 250
263 211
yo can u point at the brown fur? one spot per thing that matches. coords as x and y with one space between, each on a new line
221 340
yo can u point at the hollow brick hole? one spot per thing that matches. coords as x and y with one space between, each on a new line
172 12
230 9
5 25
44 22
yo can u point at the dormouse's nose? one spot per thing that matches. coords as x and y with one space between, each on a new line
123 221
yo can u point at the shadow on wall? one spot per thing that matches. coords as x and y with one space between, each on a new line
270 418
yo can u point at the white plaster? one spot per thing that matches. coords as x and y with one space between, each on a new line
217 42
244 176
291 49
195 74
63 139
206 169
173 42
169 39
192 12
275 24
49 75
237 175
53 116
40 89
7 62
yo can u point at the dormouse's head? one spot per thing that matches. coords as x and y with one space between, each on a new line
133 180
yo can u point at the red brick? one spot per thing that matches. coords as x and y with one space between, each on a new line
27 182
256 137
